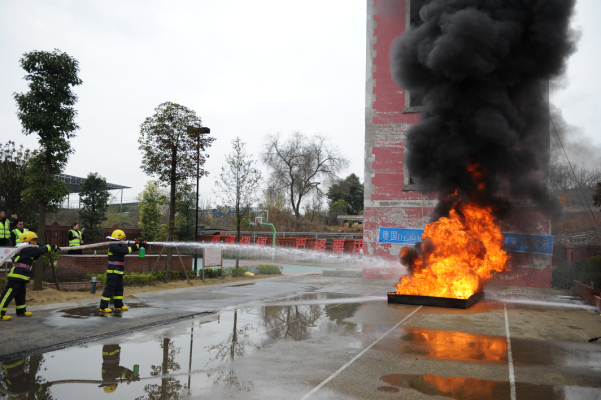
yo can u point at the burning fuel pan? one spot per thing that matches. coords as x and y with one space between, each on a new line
434 301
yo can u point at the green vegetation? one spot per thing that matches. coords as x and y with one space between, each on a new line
94 198
146 278
350 190
174 153
13 164
47 111
585 271
151 200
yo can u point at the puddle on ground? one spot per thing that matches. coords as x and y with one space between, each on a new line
172 361
479 389
93 311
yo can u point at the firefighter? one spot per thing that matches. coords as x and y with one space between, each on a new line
112 372
16 233
75 238
19 275
19 383
115 271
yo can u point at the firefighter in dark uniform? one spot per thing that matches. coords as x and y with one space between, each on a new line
115 271
19 275
112 372
18 382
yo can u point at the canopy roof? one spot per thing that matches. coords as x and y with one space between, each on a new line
75 181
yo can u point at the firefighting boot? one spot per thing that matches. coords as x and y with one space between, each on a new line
5 318
25 314
106 310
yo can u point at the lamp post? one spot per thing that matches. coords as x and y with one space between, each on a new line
200 131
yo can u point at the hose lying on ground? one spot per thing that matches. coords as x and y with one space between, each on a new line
85 246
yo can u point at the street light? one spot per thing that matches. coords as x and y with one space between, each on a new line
201 131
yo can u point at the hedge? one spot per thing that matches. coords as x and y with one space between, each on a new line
585 271
146 278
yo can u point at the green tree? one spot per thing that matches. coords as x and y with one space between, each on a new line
239 183
351 191
48 111
151 200
94 198
13 164
171 151
185 207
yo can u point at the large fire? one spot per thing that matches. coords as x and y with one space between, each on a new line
458 255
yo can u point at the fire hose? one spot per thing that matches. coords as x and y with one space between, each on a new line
85 246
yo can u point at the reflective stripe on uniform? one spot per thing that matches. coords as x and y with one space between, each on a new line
105 298
23 306
14 365
12 274
5 230
5 298
118 297
18 233
104 353
77 238
130 249
118 272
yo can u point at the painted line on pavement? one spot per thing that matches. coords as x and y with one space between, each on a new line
357 356
509 357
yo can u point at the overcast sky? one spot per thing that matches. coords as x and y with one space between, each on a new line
247 68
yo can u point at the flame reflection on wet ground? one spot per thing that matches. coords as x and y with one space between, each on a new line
467 388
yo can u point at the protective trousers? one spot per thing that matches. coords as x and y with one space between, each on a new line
114 288
18 291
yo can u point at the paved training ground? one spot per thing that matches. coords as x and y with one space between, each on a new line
315 337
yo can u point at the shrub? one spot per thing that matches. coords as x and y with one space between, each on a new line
585 271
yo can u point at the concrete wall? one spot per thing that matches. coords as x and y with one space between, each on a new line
389 199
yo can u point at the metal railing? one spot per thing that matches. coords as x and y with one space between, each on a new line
316 235
578 238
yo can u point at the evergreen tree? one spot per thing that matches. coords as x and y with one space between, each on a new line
94 200
151 200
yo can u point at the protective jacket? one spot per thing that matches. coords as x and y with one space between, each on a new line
117 253
21 270
16 235
5 229
75 238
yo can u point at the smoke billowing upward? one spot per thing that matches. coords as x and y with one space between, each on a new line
482 69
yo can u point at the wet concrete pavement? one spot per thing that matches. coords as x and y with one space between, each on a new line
313 337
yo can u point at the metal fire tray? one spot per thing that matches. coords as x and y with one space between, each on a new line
435 301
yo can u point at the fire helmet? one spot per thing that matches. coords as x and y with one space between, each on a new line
27 237
118 234
110 388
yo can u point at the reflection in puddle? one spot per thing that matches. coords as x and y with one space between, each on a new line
170 362
453 345
470 388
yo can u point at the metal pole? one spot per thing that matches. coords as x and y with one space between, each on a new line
121 207
196 226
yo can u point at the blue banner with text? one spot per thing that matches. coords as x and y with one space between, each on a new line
517 242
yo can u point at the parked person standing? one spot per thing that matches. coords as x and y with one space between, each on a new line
115 271
16 233
6 226
19 275
75 238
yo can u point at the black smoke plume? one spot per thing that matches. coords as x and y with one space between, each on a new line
482 69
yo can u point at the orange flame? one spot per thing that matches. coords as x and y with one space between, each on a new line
460 253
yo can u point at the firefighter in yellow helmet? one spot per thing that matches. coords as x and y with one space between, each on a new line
115 271
19 275
112 372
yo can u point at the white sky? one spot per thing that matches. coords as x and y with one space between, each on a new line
246 67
